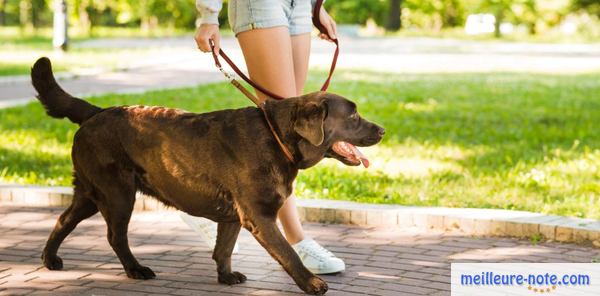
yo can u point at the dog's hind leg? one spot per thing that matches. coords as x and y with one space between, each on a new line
116 206
227 234
81 208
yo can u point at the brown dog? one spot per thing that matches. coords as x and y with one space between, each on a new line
223 165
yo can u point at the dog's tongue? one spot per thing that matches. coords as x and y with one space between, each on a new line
363 159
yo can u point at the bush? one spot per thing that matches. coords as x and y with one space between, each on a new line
357 11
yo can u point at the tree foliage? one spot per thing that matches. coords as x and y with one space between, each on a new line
435 14
357 11
591 6
392 14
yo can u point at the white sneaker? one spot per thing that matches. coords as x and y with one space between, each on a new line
206 228
318 259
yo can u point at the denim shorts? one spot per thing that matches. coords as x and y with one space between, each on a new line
246 15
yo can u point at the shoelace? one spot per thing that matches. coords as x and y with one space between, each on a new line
311 249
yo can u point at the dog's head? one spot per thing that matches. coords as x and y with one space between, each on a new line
328 125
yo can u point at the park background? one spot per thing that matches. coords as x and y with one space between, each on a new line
500 109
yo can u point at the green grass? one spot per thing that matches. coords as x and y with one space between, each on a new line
503 140
20 49
7 68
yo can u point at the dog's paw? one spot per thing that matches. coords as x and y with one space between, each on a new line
140 272
52 262
232 278
315 286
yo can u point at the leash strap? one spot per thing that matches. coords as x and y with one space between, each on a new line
239 73
317 23
260 103
285 150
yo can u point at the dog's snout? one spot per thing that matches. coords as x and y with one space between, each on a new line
381 132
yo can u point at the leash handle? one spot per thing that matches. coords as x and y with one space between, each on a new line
317 23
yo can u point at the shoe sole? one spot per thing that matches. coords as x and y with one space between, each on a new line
328 271
195 226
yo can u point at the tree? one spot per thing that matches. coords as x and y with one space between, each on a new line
590 6
60 38
436 14
25 14
452 13
37 9
529 15
500 9
394 21
357 11
2 12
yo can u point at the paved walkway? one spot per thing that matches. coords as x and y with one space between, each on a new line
177 63
379 261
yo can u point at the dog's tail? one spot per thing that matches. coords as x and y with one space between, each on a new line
57 102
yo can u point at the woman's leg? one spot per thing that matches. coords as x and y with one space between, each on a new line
280 63
269 58
281 69
288 214
301 54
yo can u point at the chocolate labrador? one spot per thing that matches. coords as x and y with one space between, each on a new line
223 165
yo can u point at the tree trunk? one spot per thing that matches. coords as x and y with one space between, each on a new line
24 14
533 28
37 6
60 38
85 22
394 22
2 12
499 18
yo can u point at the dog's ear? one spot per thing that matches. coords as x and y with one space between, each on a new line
309 122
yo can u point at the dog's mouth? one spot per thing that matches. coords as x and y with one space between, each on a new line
349 154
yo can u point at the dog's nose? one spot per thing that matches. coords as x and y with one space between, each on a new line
381 131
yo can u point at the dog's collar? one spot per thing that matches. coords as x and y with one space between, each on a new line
284 149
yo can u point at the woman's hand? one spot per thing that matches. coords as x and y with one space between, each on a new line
329 24
205 33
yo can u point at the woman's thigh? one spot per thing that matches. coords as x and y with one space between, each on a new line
275 39
270 60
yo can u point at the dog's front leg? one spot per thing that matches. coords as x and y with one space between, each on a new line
227 234
268 235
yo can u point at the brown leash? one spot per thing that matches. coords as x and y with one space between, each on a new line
260 103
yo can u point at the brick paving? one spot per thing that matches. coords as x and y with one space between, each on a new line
380 261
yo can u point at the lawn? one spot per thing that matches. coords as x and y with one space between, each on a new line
20 50
502 140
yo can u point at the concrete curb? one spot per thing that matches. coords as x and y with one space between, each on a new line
482 222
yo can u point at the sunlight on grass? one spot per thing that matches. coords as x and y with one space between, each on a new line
77 59
411 160
20 51
27 141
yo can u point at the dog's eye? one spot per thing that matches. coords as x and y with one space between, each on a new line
354 115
